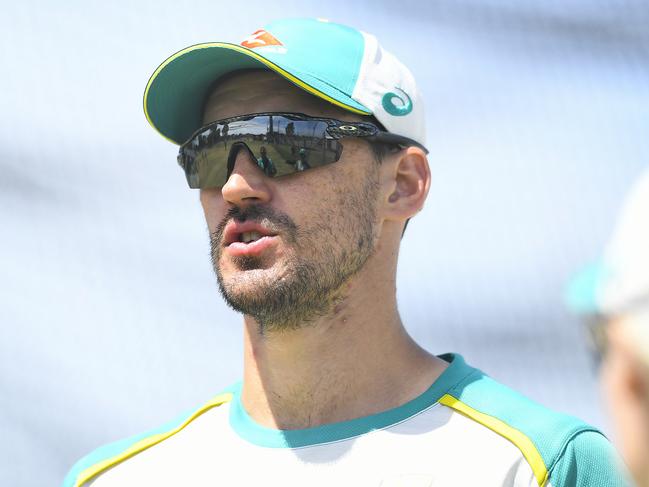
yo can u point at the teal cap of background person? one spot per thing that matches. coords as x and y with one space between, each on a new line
321 57
582 292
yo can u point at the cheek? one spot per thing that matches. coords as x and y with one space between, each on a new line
305 194
612 379
628 418
213 206
301 203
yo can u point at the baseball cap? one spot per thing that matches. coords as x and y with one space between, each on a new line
336 63
619 282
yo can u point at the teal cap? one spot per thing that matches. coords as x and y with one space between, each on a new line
583 289
334 62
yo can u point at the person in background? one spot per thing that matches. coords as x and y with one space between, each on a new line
265 162
302 164
613 298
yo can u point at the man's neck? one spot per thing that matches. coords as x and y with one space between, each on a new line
357 361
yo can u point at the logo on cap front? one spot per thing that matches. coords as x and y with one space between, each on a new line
260 38
404 108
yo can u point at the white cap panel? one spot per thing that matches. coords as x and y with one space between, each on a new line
627 255
387 88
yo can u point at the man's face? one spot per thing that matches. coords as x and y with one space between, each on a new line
318 227
625 380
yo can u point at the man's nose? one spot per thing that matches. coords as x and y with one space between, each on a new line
246 183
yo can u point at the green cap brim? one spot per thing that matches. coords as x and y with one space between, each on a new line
176 92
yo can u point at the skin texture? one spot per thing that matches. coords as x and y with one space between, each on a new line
625 381
343 352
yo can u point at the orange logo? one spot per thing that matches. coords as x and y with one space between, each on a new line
259 39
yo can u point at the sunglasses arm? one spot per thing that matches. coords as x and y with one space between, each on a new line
399 140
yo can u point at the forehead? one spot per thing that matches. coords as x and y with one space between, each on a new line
256 91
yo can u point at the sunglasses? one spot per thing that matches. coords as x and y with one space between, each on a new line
279 143
596 330
597 327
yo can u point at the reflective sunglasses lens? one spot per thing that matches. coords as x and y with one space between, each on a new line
279 145
302 145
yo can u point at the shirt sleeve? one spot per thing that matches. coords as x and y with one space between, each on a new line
589 459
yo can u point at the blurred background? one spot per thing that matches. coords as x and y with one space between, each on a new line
110 319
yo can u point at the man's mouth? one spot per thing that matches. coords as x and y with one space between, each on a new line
247 238
245 232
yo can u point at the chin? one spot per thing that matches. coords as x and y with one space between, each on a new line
235 268
248 282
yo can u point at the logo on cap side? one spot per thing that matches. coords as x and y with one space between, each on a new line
397 110
260 38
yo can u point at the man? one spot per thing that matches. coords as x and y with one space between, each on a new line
301 163
265 162
613 297
334 390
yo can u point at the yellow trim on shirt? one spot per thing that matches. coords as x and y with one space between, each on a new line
148 442
522 442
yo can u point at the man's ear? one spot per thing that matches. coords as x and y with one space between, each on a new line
406 182
638 382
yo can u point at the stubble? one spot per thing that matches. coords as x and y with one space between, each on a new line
320 259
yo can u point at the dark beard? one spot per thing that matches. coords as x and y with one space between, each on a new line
309 288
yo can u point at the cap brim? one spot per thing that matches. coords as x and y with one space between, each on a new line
176 92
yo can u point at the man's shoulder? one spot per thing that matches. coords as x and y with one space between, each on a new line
562 450
112 454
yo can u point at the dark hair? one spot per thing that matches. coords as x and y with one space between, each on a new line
380 149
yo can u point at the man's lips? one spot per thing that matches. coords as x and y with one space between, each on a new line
241 249
236 247
234 231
